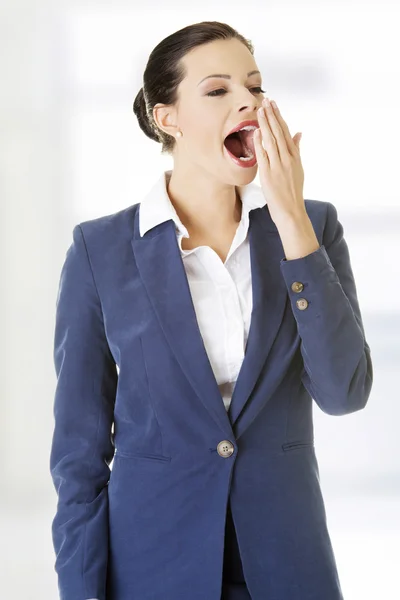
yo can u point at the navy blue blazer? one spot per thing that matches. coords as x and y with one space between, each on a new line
134 384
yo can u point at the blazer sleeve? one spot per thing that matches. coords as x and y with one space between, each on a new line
82 444
337 371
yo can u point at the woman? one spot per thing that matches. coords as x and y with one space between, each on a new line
214 489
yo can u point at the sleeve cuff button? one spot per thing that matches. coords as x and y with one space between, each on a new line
302 304
297 287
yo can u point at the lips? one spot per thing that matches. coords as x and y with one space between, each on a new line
242 124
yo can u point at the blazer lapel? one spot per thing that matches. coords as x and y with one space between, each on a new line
161 268
162 271
269 302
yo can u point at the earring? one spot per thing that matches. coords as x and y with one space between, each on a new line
179 134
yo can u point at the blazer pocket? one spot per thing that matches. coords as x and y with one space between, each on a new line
142 457
299 445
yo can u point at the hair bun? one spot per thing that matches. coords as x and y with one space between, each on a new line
139 108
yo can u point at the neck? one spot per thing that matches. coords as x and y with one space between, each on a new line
205 206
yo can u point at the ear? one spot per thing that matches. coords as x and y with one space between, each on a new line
163 115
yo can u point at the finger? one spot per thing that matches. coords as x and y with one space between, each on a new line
276 129
268 139
289 141
261 154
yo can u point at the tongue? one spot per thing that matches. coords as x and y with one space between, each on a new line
235 146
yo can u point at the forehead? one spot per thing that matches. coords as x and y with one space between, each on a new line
229 57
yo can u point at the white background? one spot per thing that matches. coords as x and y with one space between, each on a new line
71 149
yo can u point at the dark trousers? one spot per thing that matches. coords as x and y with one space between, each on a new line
233 585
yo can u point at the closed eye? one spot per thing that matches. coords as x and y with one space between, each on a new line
215 92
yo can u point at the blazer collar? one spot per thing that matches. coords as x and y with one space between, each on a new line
156 206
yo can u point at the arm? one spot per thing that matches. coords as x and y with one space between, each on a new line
337 361
82 446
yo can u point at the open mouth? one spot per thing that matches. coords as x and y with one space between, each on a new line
241 144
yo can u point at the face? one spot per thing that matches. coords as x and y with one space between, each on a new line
209 108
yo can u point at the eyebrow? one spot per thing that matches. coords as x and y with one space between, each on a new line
226 76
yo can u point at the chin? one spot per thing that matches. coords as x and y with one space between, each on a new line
242 176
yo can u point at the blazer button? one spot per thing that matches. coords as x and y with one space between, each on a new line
225 448
297 287
302 304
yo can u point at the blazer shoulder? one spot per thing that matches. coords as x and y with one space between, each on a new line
316 209
323 216
112 226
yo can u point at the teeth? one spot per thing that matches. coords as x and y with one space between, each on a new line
247 157
250 155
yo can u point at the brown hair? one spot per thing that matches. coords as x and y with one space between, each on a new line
164 72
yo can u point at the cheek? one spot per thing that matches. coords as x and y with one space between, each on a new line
203 129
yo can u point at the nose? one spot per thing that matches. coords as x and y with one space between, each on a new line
250 108
250 104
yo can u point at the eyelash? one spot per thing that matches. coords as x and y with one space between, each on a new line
214 92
